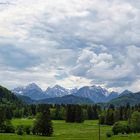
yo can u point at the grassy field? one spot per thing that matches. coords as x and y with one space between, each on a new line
67 131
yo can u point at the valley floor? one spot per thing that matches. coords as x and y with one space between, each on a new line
67 131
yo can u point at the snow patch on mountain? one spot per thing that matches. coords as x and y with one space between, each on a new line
95 93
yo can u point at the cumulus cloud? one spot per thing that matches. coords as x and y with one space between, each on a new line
118 70
70 43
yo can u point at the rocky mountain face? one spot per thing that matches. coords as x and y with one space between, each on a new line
94 93
32 90
125 92
57 91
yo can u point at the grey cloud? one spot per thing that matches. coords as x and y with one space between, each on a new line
109 70
17 58
96 40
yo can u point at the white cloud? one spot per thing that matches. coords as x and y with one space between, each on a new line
70 42
104 68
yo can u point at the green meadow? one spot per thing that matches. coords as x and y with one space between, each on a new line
69 131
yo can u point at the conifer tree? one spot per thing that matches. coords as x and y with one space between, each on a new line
74 113
79 118
110 117
43 124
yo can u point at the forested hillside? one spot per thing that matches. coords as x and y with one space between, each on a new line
8 98
131 98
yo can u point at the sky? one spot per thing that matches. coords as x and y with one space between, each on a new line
72 43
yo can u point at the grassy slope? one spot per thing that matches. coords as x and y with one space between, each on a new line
66 131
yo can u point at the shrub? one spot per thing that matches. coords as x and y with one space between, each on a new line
20 130
128 129
121 128
34 130
135 122
8 127
118 128
27 129
102 119
109 134
115 129
30 117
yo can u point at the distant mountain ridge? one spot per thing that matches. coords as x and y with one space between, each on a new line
69 99
7 97
125 92
57 91
94 93
32 90
126 97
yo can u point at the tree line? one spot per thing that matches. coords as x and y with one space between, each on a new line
44 113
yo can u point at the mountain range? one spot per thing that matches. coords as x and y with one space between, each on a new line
84 95
95 93
126 97
36 93
68 99
32 90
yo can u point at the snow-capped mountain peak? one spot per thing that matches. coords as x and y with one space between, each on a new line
33 86
32 90
18 90
95 93
99 89
57 91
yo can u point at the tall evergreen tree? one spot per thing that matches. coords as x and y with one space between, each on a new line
74 113
70 113
43 124
79 118
2 117
90 113
110 117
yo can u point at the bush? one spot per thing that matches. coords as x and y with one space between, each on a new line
128 129
34 130
121 128
27 129
20 130
102 120
109 134
30 117
135 122
8 127
118 128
